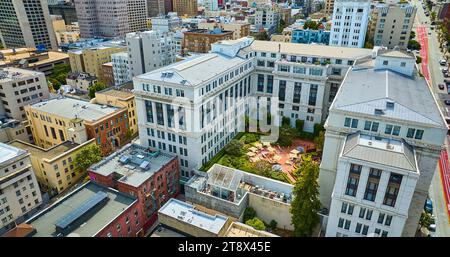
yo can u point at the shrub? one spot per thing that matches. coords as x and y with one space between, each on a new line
249 213
286 121
256 224
418 59
251 137
273 224
234 148
317 128
299 125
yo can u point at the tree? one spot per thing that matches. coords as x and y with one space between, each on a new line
281 26
319 140
425 220
299 125
59 75
234 148
317 128
249 213
87 156
433 16
285 137
256 224
309 24
306 204
98 86
412 35
263 36
273 224
285 122
414 45
263 168
418 59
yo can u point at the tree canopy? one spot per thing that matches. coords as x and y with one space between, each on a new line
59 75
87 156
234 148
309 24
414 45
98 86
306 204
256 224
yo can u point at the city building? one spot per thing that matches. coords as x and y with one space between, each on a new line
121 68
350 22
267 18
120 18
68 37
18 88
11 129
210 5
58 26
307 36
19 194
54 167
60 119
183 217
166 23
305 78
32 59
26 24
391 24
91 210
231 191
383 140
66 10
90 60
200 40
120 97
149 175
149 50
155 8
329 7
240 29
107 74
185 7
81 81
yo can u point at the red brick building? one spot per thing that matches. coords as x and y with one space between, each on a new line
149 175
200 40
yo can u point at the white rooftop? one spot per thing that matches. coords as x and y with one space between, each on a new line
8 152
73 108
186 213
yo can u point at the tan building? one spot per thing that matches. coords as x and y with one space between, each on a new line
122 98
12 129
240 29
54 167
185 7
60 119
90 60
200 40
80 81
329 5
107 75
391 24
31 59
68 37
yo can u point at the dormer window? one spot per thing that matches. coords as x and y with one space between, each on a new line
390 105
385 62
379 112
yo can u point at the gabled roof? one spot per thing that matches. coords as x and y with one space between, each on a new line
365 90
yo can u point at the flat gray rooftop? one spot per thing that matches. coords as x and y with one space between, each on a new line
44 222
73 108
186 213
8 152
133 163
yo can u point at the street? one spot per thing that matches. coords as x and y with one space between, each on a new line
432 70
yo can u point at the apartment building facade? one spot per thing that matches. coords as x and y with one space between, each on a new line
240 29
149 50
200 40
392 24
378 164
19 190
60 119
185 7
102 18
121 68
19 88
26 24
166 23
350 20
54 167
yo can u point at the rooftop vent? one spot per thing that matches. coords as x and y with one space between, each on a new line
145 165
124 159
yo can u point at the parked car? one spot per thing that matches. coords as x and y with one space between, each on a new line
447 102
429 206
441 86
443 62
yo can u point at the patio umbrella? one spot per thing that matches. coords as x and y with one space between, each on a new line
293 156
277 167
253 149
300 149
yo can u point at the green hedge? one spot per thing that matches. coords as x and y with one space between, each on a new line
219 155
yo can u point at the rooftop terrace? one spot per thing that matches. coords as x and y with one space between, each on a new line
133 164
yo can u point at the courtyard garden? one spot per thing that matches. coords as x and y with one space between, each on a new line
280 160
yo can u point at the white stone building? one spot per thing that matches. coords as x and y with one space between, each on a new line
166 23
384 135
121 68
349 23
149 50
305 78
19 190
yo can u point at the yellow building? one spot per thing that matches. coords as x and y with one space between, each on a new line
119 98
54 167
185 7
90 60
